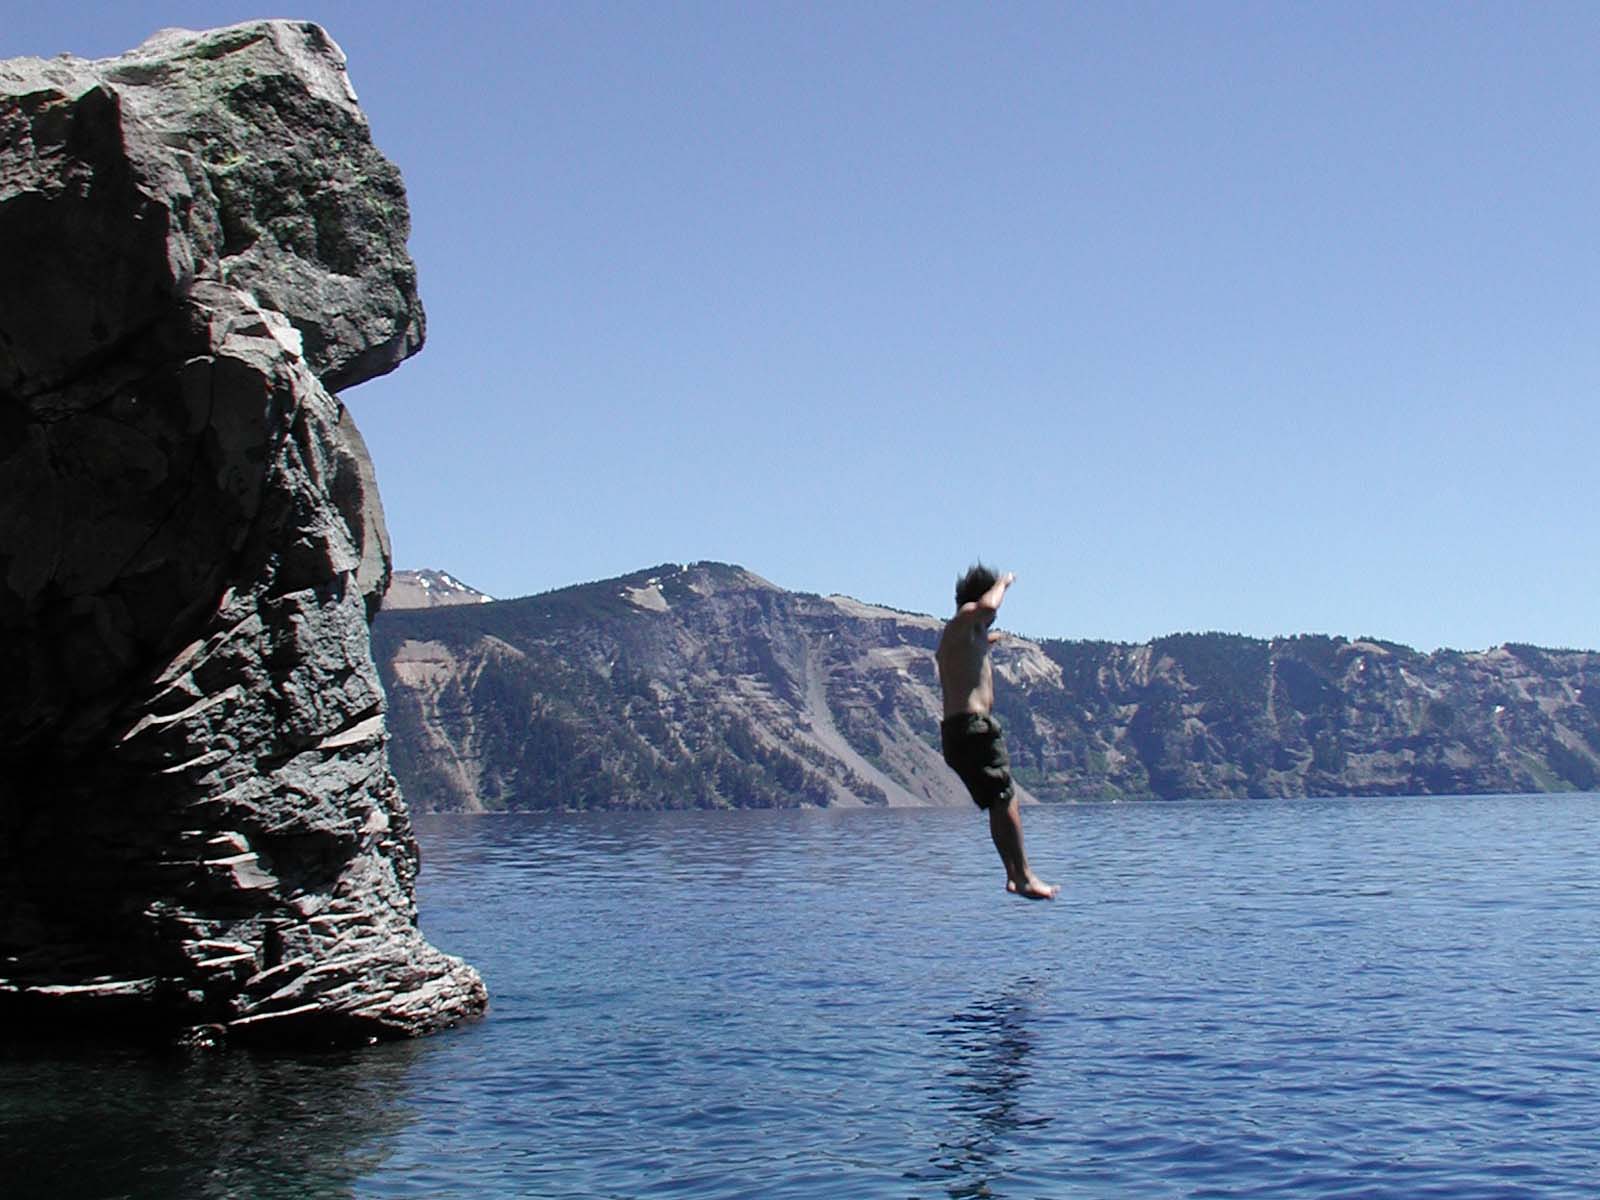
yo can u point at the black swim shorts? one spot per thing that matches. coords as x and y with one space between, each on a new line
976 750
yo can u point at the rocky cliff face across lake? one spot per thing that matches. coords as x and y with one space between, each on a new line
706 686
199 830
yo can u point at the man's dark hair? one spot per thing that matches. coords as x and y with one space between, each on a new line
975 584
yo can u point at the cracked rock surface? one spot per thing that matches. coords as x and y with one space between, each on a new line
199 831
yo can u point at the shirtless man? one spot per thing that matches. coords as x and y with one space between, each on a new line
973 744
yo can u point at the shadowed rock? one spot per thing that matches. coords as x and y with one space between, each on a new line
198 824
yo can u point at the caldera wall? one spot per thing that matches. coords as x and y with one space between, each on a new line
199 830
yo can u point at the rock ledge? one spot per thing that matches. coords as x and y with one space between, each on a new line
199 832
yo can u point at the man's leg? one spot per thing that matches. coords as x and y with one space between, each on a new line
1005 826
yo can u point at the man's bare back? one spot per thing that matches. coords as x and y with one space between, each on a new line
973 746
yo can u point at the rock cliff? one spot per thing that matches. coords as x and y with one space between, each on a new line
705 686
199 830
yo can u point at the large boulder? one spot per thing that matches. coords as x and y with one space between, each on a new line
199 830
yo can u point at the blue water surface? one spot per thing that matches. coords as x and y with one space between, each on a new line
1320 998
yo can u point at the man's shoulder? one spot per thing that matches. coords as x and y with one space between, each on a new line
962 634
968 615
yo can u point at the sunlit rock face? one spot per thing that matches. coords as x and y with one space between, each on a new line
706 686
199 831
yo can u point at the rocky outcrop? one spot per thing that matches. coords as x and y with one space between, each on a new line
199 829
705 686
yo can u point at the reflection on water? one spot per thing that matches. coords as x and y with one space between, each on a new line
192 1126
985 1089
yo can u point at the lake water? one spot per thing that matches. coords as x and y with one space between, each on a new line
1345 998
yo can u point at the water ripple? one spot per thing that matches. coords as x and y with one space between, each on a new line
1315 998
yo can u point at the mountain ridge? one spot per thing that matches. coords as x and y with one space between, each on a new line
428 588
705 685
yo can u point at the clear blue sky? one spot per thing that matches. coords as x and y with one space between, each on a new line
1266 318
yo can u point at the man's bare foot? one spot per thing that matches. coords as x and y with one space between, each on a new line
1033 888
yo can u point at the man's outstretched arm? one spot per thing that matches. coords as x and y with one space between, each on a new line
986 605
975 616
